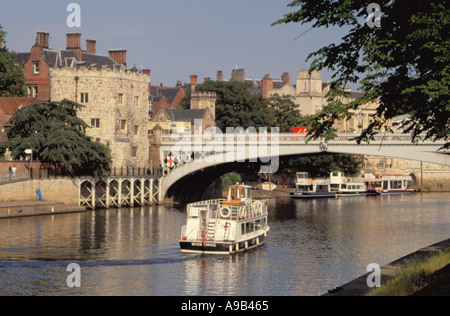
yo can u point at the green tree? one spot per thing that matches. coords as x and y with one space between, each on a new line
236 106
230 179
405 63
322 165
286 113
12 79
57 136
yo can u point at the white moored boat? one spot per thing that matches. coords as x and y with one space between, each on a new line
225 226
389 184
306 188
344 186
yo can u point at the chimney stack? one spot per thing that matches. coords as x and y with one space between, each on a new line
42 39
194 80
74 43
118 55
219 76
286 78
267 85
91 46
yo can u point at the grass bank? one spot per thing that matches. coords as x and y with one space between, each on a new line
413 276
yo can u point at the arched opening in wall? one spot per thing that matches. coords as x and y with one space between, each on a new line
114 193
138 192
100 194
415 179
86 194
126 193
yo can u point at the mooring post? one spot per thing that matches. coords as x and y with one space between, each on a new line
94 185
108 196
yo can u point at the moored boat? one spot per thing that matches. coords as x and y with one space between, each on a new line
389 184
344 186
306 188
225 226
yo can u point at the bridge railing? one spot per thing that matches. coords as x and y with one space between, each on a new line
287 139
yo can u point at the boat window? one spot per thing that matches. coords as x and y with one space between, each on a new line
242 229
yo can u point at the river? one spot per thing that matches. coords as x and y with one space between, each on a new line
312 247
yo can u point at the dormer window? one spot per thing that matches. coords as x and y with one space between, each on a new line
36 68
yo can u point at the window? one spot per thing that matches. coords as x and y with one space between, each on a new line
95 123
136 101
121 98
32 91
36 68
85 98
134 152
123 125
136 130
98 140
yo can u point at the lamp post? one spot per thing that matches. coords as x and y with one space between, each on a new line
30 152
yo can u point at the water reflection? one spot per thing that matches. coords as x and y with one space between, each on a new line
313 246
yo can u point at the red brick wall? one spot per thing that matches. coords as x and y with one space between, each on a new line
8 107
41 80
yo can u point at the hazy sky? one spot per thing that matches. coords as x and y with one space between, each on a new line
176 38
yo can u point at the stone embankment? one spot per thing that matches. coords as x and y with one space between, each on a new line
437 285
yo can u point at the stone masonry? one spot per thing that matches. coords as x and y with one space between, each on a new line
116 104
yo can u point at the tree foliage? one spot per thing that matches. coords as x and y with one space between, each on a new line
286 113
405 63
57 136
12 79
321 165
236 106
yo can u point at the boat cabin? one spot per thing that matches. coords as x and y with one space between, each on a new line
239 195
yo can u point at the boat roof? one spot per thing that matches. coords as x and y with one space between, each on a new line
236 186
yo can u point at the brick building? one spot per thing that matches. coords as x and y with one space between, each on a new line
115 97
8 107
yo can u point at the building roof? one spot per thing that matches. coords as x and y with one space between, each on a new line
68 58
186 115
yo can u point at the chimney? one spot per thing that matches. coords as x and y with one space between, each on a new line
194 80
91 46
206 79
74 43
42 39
238 75
219 76
266 86
146 72
286 78
118 55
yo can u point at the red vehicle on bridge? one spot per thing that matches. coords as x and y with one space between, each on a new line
300 130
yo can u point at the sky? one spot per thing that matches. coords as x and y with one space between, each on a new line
177 38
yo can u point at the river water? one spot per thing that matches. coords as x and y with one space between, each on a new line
312 247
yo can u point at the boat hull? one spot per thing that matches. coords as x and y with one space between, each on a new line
222 247
392 192
347 194
317 195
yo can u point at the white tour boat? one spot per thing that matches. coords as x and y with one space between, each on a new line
225 226
389 184
347 186
306 188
